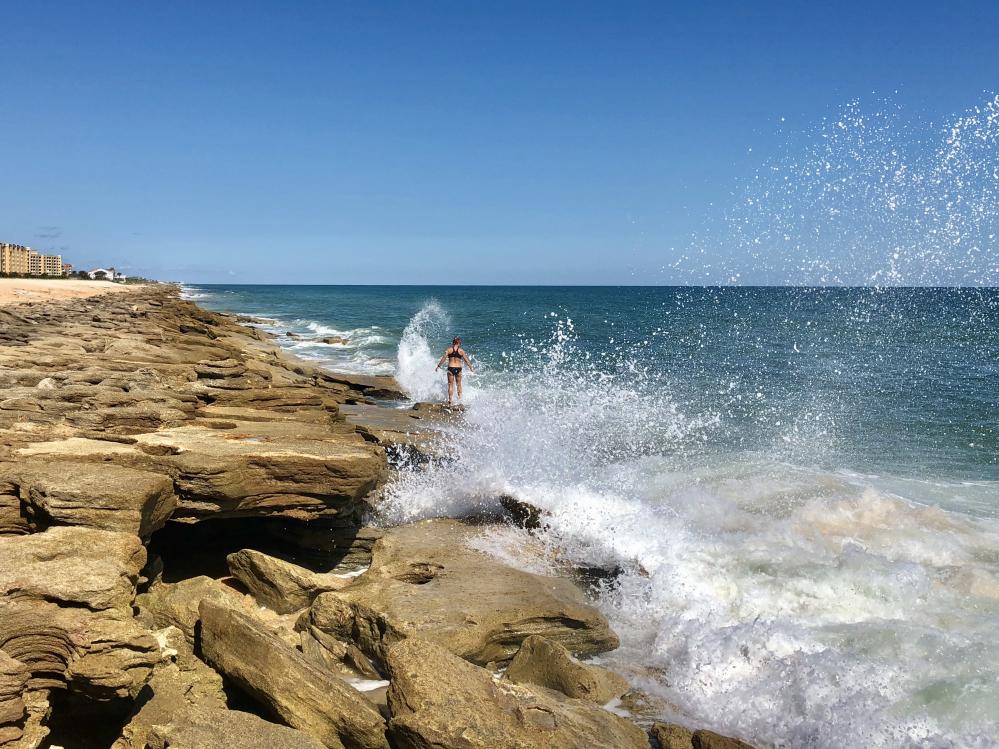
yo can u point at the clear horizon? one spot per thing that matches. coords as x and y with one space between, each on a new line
572 144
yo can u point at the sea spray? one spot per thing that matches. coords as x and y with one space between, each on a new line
785 603
870 196
417 360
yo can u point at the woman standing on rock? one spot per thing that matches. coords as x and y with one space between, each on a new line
455 355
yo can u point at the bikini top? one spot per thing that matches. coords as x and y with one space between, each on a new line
453 353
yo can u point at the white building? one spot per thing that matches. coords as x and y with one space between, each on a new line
106 274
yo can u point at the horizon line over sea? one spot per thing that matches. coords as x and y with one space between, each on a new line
874 287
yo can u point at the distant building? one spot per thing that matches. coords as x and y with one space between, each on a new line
21 260
106 274
14 258
51 265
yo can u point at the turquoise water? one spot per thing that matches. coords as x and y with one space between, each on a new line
800 485
895 380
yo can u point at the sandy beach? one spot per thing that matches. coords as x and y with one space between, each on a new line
20 290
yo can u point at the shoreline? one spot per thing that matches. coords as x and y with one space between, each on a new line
175 485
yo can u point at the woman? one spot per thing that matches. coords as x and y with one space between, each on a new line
455 356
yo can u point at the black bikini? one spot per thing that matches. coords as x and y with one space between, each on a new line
453 354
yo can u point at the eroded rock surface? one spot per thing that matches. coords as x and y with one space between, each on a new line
73 566
424 581
102 496
181 688
178 604
280 585
673 736
286 682
440 701
545 663
226 729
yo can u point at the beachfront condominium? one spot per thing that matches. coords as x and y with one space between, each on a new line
14 258
51 265
18 259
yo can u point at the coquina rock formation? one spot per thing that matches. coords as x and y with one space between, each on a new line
184 564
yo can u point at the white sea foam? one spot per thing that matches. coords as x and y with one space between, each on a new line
416 363
789 605
192 292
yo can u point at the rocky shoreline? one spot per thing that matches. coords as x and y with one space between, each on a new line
184 561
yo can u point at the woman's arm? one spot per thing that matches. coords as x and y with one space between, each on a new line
442 360
467 361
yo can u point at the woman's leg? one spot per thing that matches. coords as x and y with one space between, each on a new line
450 387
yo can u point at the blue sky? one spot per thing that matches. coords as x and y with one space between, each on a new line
433 142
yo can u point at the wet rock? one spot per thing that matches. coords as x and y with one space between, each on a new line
281 586
402 430
72 566
424 581
673 736
286 682
439 701
101 496
545 663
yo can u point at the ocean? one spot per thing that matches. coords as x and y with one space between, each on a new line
799 486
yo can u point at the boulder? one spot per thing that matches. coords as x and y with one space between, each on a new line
95 495
177 604
227 729
545 663
440 701
424 581
72 566
286 682
673 736
281 586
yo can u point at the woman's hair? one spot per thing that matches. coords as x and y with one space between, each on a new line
456 341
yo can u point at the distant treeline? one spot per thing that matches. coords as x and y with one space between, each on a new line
76 276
